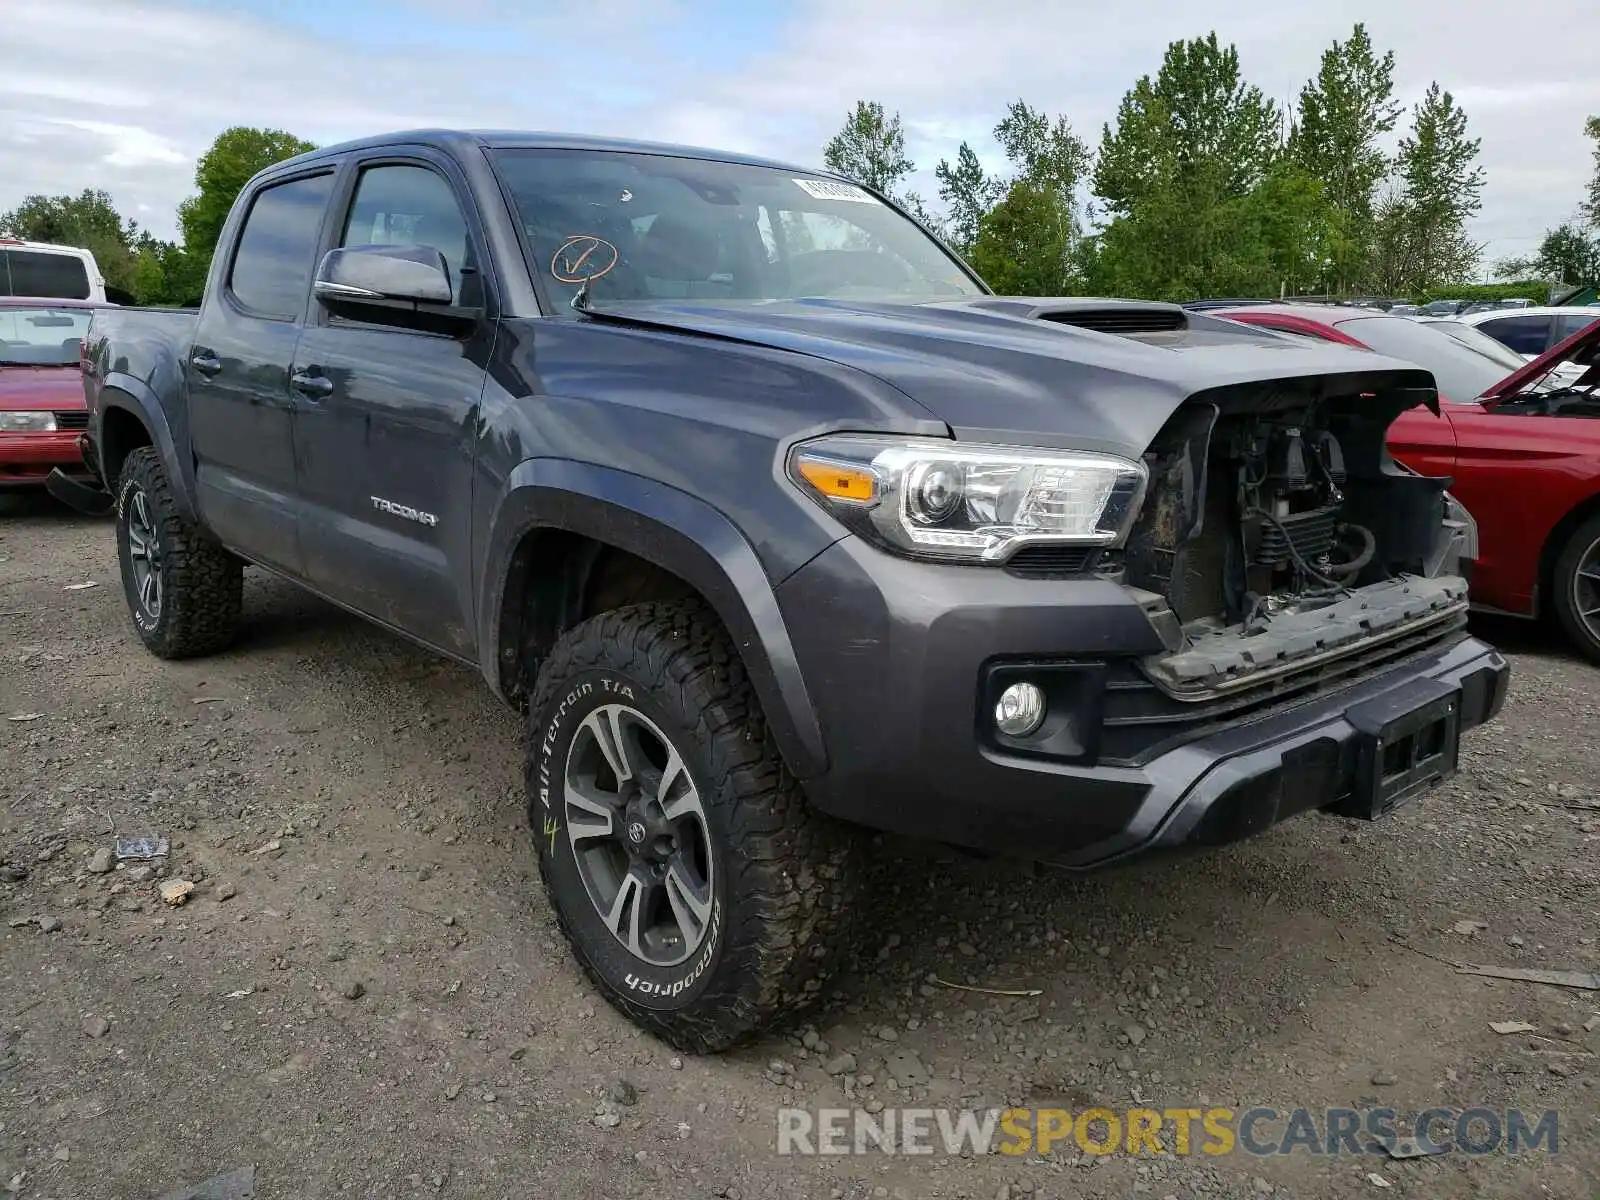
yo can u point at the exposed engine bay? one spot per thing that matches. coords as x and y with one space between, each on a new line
1276 528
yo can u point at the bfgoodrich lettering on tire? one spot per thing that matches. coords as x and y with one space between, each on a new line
183 590
697 888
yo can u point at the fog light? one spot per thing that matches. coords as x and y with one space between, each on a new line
1020 711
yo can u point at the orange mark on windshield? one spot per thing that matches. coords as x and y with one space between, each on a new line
568 263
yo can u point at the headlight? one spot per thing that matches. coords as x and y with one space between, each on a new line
975 503
27 422
1456 513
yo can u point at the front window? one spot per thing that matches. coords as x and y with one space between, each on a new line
42 337
1460 372
655 227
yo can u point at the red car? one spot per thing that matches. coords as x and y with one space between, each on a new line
1520 441
42 413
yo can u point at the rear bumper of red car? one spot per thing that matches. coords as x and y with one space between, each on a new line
26 459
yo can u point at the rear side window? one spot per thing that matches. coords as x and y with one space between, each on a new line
1525 335
272 267
39 273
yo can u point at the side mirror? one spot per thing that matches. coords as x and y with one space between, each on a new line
418 274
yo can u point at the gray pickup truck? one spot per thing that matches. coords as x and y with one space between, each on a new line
780 524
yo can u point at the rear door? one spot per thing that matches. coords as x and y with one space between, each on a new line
388 419
240 406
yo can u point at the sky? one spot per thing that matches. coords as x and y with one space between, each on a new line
125 94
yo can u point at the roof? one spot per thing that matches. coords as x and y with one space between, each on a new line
503 139
45 247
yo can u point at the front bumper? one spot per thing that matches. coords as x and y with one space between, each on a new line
902 659
26 459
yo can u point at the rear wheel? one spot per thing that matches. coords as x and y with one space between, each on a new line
183 590
1576 587
700 892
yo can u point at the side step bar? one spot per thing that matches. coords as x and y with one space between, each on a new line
85 497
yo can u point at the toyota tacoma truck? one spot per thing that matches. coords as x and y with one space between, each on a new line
780 525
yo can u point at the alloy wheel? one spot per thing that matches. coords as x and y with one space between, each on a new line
639 835
1586 589
144 552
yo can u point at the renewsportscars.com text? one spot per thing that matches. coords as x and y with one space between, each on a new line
1212 1131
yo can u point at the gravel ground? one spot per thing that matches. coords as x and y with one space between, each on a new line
365 994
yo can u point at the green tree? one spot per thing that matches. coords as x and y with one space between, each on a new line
1342 114
1591 205
871 148
89 220
1022 230
221 173
1197 124
1441 190
1569 254
968 193
1176 173
1022 247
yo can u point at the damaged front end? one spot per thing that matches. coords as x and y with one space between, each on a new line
1277 534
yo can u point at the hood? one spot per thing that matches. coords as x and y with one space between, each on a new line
1089 374
1582 349
58 389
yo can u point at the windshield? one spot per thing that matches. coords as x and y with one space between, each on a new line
1461 373
44 336
655 227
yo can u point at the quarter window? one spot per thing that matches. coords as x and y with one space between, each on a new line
272 267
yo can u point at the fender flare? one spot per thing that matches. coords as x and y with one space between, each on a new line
681 534
133 395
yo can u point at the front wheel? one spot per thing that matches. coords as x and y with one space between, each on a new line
697 888
1576 587
183 590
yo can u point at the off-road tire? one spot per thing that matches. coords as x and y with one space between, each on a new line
202 584
1564 591
784 873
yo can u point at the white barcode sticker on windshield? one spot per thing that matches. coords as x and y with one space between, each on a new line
828 189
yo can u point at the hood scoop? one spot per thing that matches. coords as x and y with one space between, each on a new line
1125 320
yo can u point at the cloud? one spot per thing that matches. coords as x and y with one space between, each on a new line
125 94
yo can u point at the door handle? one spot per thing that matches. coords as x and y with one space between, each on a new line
312 386
205 362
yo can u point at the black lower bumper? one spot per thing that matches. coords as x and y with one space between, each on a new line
897 658
82 493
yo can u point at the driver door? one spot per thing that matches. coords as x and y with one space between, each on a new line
388 421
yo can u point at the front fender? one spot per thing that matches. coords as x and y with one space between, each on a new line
681 534
133 395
